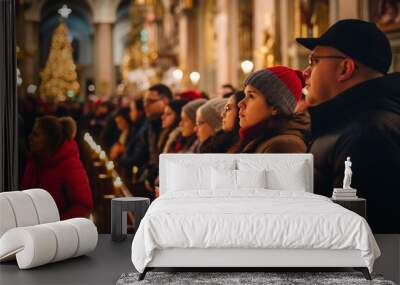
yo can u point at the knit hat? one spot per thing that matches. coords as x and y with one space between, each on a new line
211 112
190 95
281 86
190 108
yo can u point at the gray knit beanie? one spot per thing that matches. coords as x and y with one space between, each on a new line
190 108
211 112
280 85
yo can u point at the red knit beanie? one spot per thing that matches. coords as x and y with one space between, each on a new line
280 85
190 95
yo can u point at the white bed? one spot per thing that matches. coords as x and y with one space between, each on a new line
219 224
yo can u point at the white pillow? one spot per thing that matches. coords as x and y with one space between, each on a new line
182 177
236 179
288 175
290 179
223 179
193 174
251 178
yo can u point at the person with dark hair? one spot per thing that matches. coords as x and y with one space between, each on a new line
186 141
208 124
54 165
205 95
138 122
226 90
162 90
230 124
123 122
98 123
355 112
267 119
137 110
145 154
170 121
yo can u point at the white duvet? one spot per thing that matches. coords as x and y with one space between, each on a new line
255 218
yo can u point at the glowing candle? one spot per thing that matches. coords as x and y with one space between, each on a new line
110 165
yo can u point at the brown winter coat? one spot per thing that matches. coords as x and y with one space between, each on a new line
282 135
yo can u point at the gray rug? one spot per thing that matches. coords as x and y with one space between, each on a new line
229 278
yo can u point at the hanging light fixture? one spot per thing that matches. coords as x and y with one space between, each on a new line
177 74
247 66
194 77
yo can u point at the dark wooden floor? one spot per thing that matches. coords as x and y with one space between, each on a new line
103 266
110 259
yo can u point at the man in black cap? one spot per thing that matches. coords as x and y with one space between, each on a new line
355 111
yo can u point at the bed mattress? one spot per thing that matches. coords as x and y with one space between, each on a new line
250 219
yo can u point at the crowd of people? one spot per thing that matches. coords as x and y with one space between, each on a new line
352 108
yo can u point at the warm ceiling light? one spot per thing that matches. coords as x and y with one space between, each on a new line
247 66
194 77
177 74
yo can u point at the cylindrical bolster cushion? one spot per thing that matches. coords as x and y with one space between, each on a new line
23 208
67 240
7 218
87 235
33 246
45 205
41 244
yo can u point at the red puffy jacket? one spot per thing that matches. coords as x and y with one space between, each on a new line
64 177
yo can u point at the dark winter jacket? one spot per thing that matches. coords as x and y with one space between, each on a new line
363 122
277 135
144 148
63 176
219 143
145 152
125 161
179 144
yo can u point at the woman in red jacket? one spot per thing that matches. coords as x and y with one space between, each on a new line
54 165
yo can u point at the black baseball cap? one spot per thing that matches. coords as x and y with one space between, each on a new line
360 40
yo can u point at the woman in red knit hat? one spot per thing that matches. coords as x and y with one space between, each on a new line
54 166
268 123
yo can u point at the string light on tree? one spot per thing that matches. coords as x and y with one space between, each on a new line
59 77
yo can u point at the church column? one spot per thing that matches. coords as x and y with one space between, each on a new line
187 43
183 45
233 43
264 33
222 47
104 17
31 45
104 62
32 49
348 9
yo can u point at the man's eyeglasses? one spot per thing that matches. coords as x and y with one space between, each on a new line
149 101
313 60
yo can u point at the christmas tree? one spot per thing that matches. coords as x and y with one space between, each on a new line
59 77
